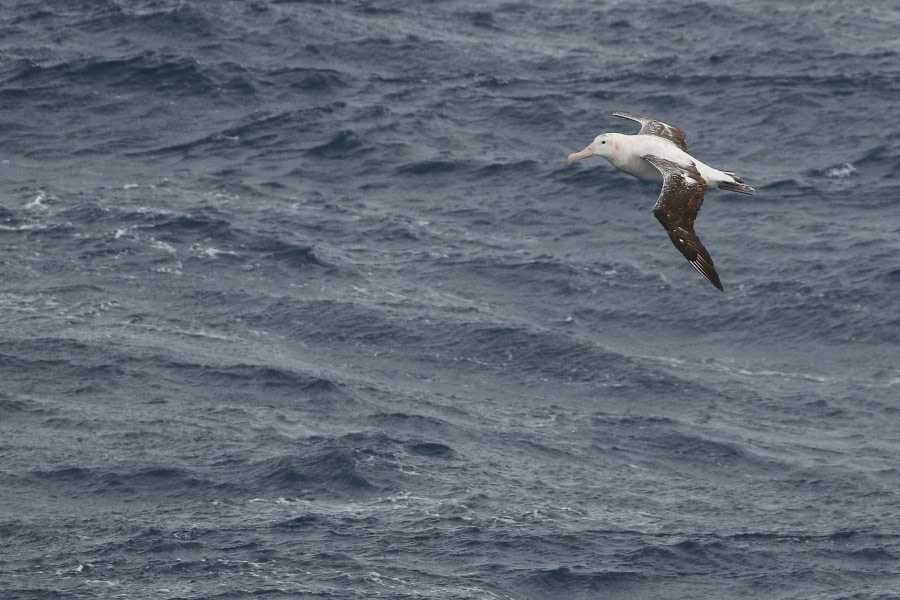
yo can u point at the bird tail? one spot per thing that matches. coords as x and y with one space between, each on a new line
735 185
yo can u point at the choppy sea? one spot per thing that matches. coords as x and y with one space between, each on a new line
300 299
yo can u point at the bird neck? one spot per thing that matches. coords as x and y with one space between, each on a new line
617 153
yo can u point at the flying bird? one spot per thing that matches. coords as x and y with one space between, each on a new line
658 152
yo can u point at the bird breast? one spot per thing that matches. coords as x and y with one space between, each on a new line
636 166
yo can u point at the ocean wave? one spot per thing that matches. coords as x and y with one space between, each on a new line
331 471
292 254
345 144
107 15
311 79
145 482
289 283
430 449
267 376
350 465
433 167
149 71
583 583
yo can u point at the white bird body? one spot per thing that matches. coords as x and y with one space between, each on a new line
659 153
628 153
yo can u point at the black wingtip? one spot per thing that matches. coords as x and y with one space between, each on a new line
717 284
709 272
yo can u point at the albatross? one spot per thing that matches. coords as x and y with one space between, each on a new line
658 152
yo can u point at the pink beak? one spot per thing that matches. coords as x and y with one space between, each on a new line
589 151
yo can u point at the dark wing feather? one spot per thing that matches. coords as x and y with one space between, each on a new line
677 207
658 128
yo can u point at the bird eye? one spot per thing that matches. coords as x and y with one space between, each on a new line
603 142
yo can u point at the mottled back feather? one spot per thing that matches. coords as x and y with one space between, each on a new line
658 128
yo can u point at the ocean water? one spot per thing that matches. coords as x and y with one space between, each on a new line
300 299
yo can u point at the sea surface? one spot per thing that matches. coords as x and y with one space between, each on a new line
300 299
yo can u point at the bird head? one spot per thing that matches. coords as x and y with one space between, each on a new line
602 145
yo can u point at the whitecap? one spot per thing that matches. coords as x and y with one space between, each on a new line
840 171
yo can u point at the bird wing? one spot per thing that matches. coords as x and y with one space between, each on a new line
677 207
658 128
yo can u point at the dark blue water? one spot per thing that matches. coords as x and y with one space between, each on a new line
301 300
